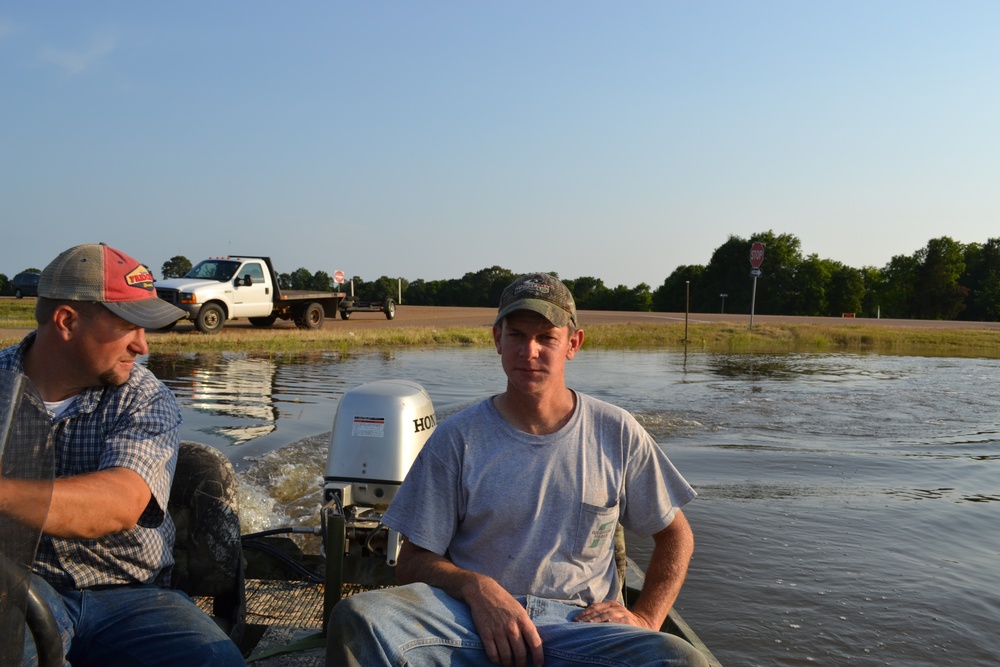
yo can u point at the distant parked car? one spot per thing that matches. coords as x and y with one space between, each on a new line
25 284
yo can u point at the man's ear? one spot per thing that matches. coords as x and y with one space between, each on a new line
497 330
65 320
575 342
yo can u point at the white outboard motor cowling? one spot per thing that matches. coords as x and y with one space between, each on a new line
378 431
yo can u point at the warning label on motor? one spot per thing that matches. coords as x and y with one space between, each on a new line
368 427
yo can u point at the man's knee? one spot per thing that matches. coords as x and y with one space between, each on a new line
350 635
686 654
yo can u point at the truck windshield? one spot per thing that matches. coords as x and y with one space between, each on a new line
214 269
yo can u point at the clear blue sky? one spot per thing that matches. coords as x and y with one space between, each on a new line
429 139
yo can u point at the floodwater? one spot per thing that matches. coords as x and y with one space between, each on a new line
849 507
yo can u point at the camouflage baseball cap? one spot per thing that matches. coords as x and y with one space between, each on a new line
540 293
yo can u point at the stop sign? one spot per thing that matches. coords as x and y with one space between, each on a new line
756 254
338 277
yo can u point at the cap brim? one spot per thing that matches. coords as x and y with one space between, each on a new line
553 313
152 313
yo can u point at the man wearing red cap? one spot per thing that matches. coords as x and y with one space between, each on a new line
104 559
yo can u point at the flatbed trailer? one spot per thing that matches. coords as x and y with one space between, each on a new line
351 305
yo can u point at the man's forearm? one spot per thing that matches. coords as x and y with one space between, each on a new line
419 565
82 507
25 500
667 569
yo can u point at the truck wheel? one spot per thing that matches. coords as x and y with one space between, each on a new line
390 309
263 321
18 294
345 314
210 318
311 317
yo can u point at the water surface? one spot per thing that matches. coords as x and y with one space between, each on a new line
848 505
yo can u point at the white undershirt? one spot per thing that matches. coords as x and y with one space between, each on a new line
59 407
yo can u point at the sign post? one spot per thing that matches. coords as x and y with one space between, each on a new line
756 259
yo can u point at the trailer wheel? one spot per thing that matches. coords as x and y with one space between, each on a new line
210 318
390 309
345 314
18 294
263 321
311 317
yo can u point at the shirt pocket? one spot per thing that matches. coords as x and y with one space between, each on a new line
596 530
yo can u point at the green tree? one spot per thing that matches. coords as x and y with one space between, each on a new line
384 288
175 267
898 285
937 292
5 288
778 289
420 292
982 278
846 291
873 282
485 286
672 295
589 293
635 299
728 272
812 279
300 279
321 282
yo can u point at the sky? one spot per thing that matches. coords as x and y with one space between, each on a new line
426 140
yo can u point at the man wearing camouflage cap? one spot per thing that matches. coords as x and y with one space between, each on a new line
104 559
509 514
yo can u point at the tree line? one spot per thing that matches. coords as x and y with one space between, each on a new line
944 280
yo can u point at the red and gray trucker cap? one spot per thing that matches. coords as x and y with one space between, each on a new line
541 293
96 272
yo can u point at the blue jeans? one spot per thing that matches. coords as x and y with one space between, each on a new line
420 625
133 625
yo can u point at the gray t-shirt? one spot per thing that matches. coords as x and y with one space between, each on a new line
538 513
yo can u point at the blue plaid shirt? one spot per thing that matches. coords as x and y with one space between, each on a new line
134 426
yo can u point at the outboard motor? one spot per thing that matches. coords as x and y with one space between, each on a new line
378 431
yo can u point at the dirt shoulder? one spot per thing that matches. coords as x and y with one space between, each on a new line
450 317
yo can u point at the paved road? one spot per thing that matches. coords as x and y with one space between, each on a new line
442 317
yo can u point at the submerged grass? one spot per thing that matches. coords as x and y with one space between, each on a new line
708 337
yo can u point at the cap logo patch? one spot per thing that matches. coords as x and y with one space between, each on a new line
533 286
140 277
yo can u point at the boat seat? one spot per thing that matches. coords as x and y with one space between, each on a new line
208 552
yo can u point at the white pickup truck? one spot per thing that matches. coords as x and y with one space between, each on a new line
228 288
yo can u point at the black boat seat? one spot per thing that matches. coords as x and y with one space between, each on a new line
208 552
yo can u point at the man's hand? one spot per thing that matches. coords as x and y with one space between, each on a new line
611 611
507 632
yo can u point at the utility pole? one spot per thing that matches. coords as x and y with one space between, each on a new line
687 307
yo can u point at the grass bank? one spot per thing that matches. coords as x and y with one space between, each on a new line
708 337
